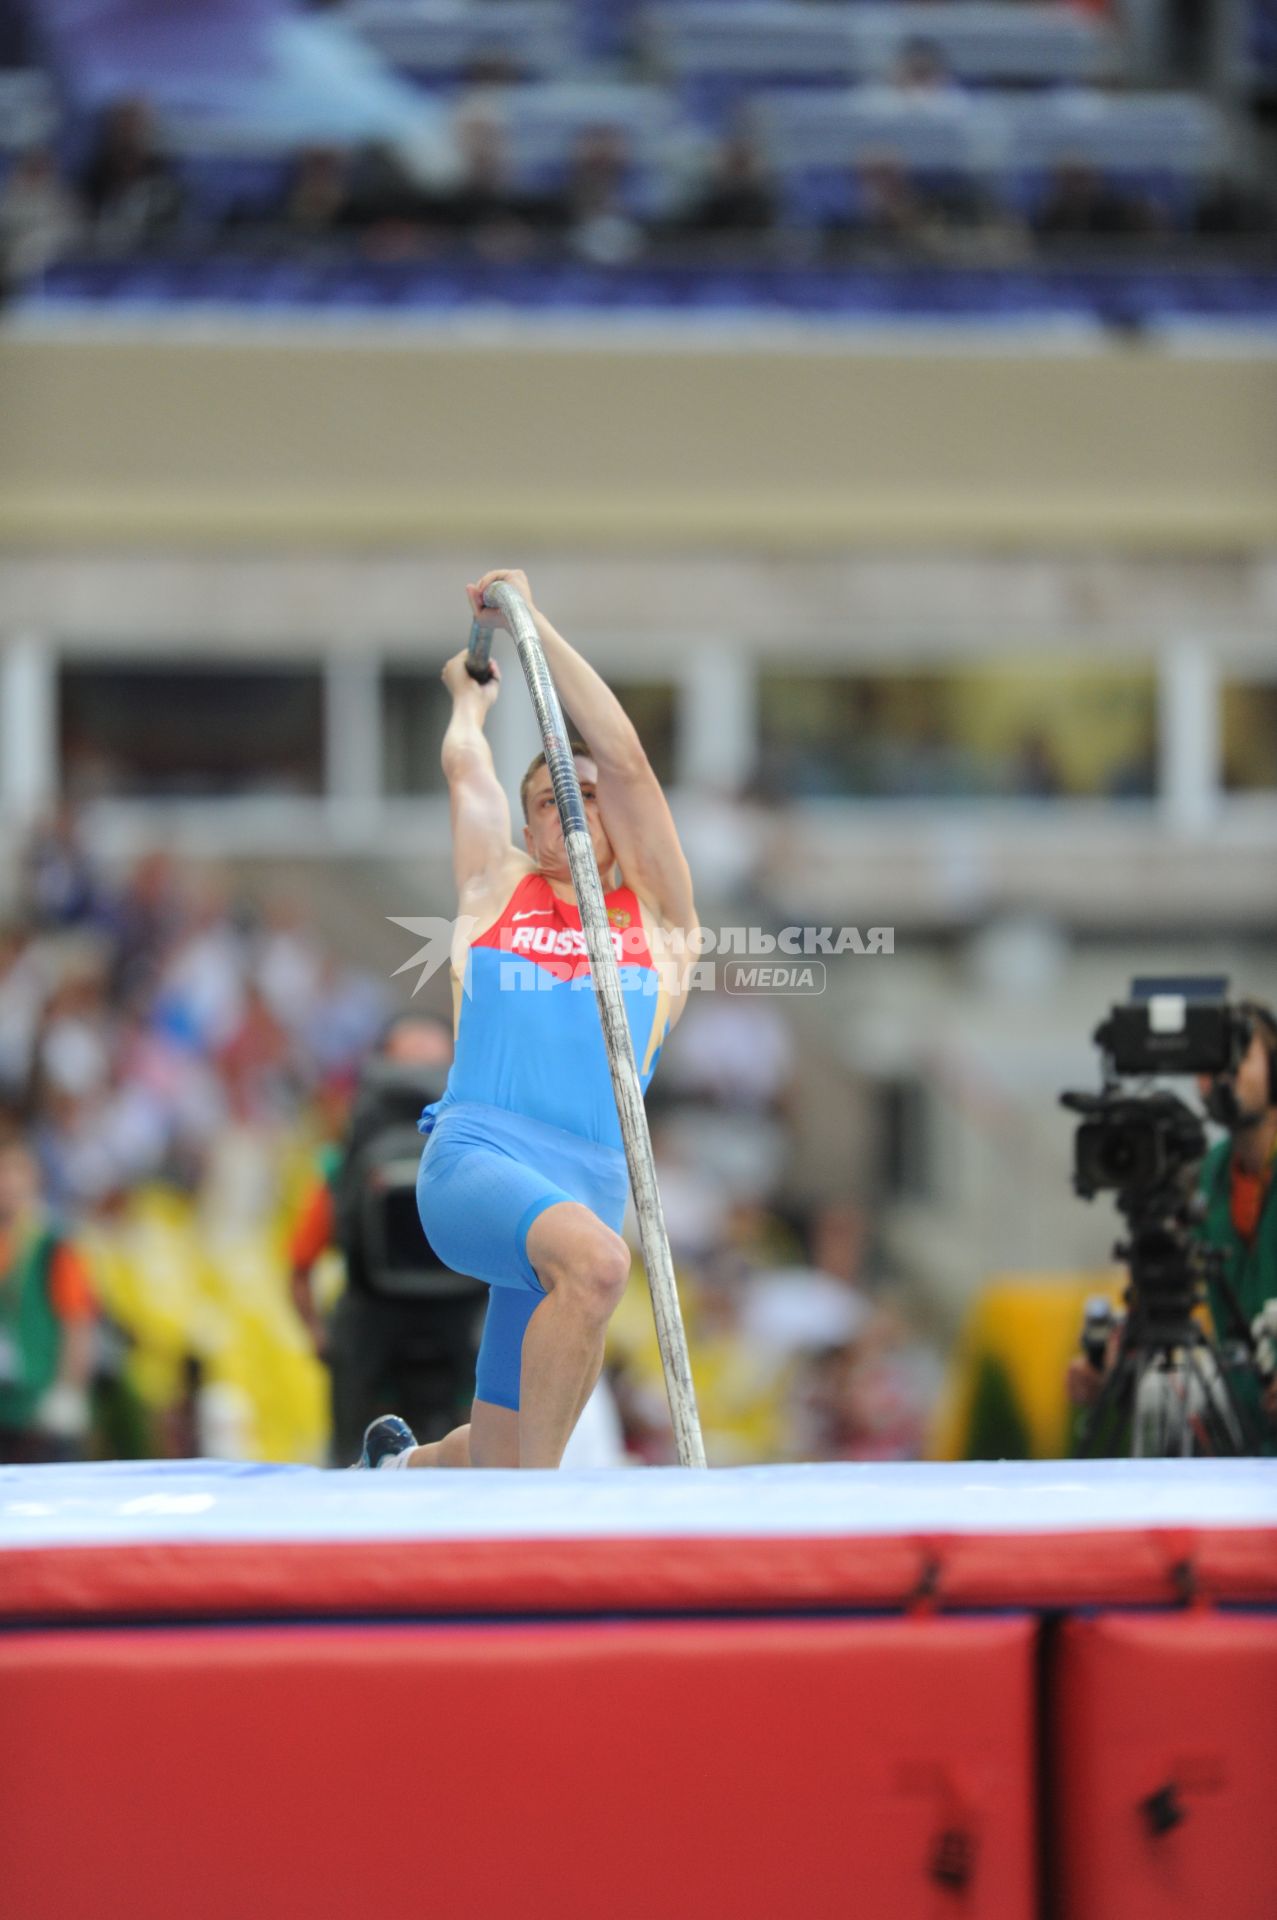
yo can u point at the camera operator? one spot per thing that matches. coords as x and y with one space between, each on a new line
405 1332
48 1318
1238 1217
1236 1183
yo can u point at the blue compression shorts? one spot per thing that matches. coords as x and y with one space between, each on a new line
485 1176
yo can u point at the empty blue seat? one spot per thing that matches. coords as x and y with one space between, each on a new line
443 38
759 40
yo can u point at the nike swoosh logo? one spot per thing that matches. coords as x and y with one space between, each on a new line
531 913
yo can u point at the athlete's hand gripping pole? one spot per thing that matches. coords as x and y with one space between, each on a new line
478 664
607 985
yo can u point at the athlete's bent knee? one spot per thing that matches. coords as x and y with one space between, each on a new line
593 1276
613 1270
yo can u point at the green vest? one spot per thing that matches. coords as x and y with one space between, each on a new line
329 1162
30 1331
1251 1269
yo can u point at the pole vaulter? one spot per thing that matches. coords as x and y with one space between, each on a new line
630 1110
537 1112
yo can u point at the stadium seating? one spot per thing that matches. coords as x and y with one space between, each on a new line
1172 132
999 133
802 132
1153 141
772 39
439 40
1020 91
991 42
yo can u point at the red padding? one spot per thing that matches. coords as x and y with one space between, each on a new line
571 1771
641 1575
1183 1707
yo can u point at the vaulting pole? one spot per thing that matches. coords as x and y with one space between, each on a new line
611 1003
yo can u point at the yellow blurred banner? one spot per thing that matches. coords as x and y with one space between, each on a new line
1005 1397
220 1303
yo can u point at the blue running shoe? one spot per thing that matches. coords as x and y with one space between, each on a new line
384 1439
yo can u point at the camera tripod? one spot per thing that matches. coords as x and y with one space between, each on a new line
1170 1387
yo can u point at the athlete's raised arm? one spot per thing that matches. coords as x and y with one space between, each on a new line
635 812
483 851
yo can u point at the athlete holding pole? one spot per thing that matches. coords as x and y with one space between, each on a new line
523 1183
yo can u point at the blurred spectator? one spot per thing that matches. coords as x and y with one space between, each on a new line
891 208
1035 771
131 189
740 1374
388 208
209 1420
40 219
600 228
920 70
1080 204
737 200
490 73
350 1009
74 1055
694 1199
23 989
47 1317
643 1410
200 991
894 212
1228 210
794 1308
838 1242
255 1063
739 1378
486 88
861 1400
60 883
289 965
731 1076
318 204
487 209
735 1052
144 920
865 1384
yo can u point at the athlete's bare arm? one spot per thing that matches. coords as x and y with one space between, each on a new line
634 809
485 860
